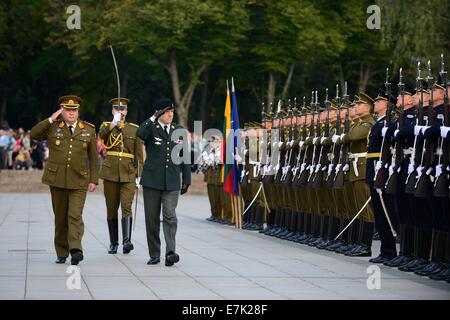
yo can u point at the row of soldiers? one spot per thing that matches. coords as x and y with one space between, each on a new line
325 175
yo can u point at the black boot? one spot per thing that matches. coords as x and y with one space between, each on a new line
366 236
445 272
407 246
259 217
113 228
126 234
437 255
422 244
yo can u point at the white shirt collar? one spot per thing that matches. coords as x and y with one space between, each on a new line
162 125
73 125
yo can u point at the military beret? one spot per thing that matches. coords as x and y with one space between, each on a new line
162 106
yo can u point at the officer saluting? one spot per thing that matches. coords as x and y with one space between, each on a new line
72 169
161 181
123 163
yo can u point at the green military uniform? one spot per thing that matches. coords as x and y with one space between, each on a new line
123 157
358 138
161 181
72 165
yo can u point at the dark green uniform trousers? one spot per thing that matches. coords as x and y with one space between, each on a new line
153 199
119 193
69 227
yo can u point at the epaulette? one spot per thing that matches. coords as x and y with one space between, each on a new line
133 124
105 123
89 124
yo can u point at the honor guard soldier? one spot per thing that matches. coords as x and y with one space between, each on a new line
161 180
72 169
120 172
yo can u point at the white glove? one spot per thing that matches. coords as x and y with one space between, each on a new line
444 131
417 130
117 118
300 144
314 140
395 132
383 131
334 138
138 180
322 140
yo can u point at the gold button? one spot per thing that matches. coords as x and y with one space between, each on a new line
167 160
120 158
167 148
70 146
70 152
167 166
167 142
71 139
167 154
68 159
68 165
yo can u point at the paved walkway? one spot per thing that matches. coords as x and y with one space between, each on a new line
217 262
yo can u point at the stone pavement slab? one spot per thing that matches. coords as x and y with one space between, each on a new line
217 262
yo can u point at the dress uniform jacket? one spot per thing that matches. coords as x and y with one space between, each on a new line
73 159
159 170
120 167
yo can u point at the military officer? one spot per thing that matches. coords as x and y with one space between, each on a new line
388 248
123 163
161 180
72 169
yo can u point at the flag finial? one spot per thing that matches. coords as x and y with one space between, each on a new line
232 84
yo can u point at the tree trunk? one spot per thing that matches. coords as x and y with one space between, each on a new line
183 101
288 81
204 100
364 74
271 89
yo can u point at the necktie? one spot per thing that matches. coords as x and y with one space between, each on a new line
71 130
165 129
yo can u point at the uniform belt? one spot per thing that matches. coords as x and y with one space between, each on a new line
355 157
373 155
120 154
408 152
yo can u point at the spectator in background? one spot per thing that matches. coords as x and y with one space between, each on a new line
3 146
22 160
9 148
101 149
37 154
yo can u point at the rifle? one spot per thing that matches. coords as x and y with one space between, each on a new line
287 178
295 178
335 151
303 179
441 182
412 173
423 178
266 176
343 152
281 140
322 162
381 167
316 151
396 163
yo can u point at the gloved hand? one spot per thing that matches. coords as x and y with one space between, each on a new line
184 188
383 131
444 131
117 118
138 180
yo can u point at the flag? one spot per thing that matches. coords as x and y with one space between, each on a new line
226 130
233 172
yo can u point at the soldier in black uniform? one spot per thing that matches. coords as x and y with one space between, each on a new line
388 248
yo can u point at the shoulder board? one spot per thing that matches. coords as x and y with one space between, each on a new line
89 124
105 123
133 124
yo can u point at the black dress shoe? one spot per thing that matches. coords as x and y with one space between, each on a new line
60 260
380 259
171 258
113 248
77 256
443 275
431 268
414 265
154 261
398 261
